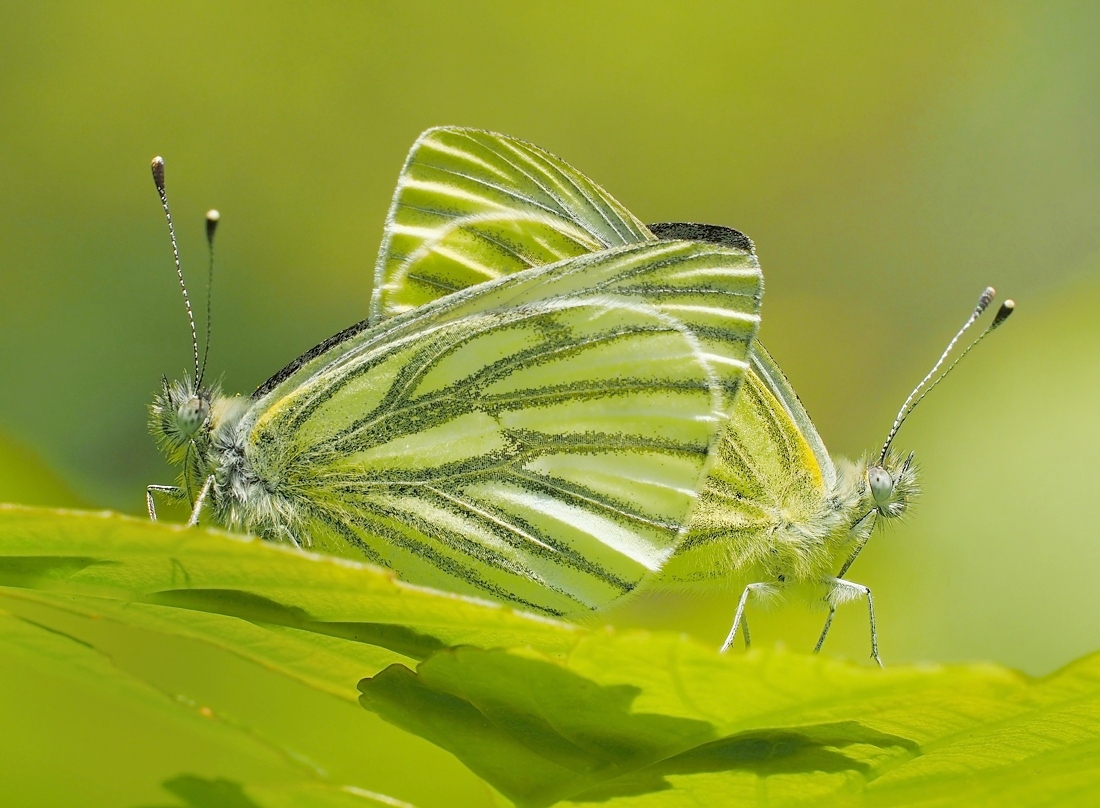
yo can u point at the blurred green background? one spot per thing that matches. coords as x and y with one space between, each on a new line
889 160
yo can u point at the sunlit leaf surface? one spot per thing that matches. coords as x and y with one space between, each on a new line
122 642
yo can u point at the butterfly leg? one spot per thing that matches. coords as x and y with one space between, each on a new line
168 490
200 501
856 590
825 629
739 619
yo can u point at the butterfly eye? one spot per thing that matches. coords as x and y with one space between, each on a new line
191 415
882 484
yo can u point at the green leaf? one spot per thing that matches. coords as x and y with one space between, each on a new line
228 652
173 733
308 626
324 601
647 719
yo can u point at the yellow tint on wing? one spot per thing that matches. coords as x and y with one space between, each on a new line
763 501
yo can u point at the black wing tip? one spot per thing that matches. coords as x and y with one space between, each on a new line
698 231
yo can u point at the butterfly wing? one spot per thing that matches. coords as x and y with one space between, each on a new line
538 439
766 481
471 206
776 382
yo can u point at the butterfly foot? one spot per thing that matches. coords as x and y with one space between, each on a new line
739 619
170 491
844 588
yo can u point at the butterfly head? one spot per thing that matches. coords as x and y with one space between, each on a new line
180 415
891 485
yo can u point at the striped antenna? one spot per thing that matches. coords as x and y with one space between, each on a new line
158 178
212 218
920 391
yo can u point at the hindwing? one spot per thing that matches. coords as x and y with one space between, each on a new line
472 206
764 494
775 380
538 439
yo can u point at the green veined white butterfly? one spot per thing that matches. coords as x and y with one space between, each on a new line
539 439
473 206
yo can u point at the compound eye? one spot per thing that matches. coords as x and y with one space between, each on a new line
191 415
882 484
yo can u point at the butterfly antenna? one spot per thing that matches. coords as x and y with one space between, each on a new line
924 388
1002 314
212 217
158 178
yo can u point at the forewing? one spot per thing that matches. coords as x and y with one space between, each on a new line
472 206
538 439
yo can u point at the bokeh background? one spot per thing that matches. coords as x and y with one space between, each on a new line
889 160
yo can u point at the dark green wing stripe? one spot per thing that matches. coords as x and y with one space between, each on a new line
539 439
471 206
525 538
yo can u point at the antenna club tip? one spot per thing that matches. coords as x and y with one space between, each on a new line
158 172
212 215
986 298
1003 313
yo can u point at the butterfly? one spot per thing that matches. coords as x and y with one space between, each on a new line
550 404
474 206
